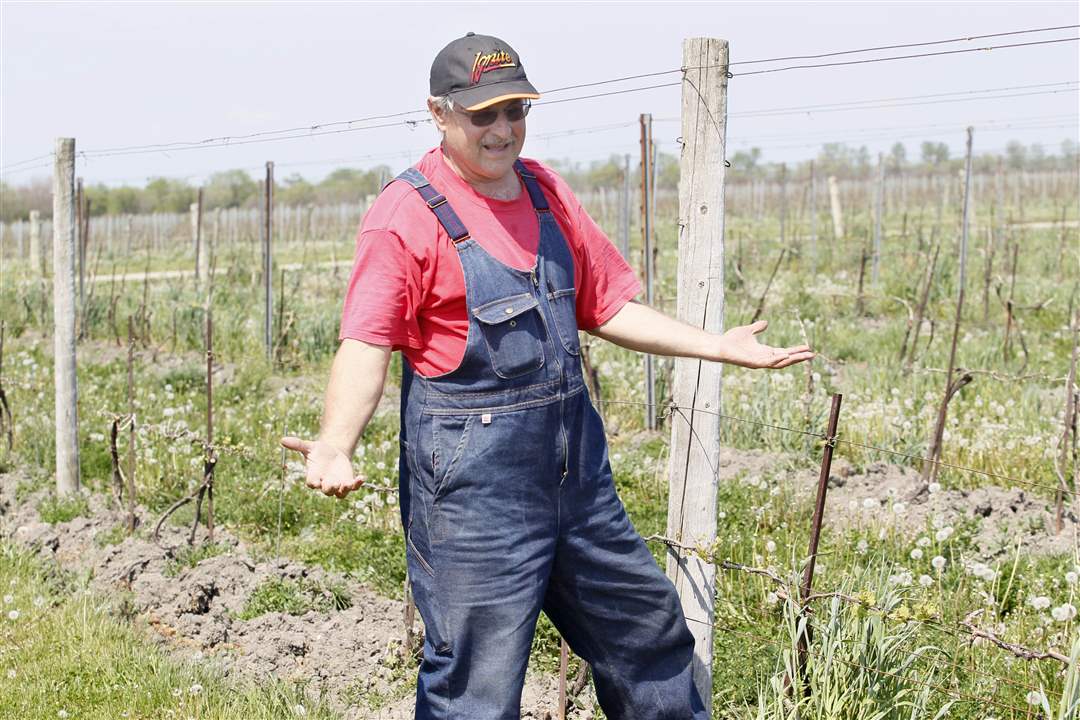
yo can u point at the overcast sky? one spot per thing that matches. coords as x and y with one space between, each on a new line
123 74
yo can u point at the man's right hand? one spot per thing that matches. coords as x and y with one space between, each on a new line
328 468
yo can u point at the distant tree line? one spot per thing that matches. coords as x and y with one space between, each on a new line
236 188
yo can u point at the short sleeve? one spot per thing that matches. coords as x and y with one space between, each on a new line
384 293
607 281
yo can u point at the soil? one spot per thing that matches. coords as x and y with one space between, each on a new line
353 659
998 518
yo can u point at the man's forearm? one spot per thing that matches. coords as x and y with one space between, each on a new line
356 383
640 327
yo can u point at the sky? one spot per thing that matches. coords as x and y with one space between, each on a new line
129 74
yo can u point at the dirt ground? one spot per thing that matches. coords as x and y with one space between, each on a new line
341 655
885 495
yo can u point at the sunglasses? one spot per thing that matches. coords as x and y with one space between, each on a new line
514 113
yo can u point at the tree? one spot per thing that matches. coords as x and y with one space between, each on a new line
898 156
1015 155
746 162
296 191
229 189
934 153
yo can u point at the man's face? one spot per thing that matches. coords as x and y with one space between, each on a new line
483 154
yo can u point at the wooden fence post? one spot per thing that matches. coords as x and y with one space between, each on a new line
66 415
37 252
695 436
837 213
624 215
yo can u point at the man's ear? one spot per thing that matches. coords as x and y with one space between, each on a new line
437 115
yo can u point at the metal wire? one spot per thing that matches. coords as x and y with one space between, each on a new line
907 57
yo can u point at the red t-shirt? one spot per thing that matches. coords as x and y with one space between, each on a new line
407 288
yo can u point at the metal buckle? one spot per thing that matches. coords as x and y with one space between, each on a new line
436 201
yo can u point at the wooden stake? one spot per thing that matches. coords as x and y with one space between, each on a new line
66 383
879 210
695 437
837 213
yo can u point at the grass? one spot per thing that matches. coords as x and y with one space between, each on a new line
62 655
999 426
294 597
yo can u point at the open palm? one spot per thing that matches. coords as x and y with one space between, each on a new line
741 347
328 469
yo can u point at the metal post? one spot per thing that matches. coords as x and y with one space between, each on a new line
624 217
879 209
813 218
815 525
647 256
268 232
66 383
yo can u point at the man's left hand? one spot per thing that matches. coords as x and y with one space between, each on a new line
740 347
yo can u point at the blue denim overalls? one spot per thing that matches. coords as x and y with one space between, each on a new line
509 507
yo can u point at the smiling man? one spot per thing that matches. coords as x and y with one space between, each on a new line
481 268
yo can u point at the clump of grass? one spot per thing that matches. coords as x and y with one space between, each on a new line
188 556
55 509
294 597
113 536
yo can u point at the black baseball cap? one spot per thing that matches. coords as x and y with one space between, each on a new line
479 70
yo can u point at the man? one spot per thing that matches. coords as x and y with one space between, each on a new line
481 269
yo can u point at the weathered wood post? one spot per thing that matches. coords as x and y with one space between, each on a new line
837 213
695 436
66 415
37 251
647 256
624 216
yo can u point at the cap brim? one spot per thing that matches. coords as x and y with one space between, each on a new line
485 96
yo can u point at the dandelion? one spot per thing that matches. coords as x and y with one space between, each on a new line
938 563
61 713
1040 602
770 547
944 533
862 547
772 598
1035 698
195 689
934 487
899 508
870 503
926 580
13 615
922 542
8 599
299 711
916 554
1063 613
39 602
176 692
11 674
1071 577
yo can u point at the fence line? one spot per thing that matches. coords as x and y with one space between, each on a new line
672 408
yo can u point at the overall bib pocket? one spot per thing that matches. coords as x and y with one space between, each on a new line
564 309
512 332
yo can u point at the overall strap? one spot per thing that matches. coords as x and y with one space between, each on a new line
539 202
436 202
